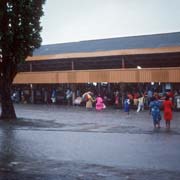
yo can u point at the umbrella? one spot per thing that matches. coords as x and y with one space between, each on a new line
87 95
78 101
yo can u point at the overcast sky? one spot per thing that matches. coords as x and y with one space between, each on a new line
76 20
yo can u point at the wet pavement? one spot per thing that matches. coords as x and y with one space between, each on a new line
61 142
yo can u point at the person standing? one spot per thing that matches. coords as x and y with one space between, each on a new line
155 112
149 96
53 96
116 99
69 96
167 105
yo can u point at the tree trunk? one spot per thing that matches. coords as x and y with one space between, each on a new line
7 107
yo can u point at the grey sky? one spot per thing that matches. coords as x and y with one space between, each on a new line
75 20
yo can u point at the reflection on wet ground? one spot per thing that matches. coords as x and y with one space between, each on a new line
70 171
78 144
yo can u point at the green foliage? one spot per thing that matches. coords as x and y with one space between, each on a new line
19 36
20 28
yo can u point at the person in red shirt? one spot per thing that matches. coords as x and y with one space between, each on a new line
167 105
170 94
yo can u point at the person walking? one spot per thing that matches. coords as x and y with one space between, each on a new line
127 105
99 103
140 104
167 105
90 101
155 112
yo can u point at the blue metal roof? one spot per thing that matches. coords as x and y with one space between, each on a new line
133 42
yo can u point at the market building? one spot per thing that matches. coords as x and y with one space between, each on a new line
115 62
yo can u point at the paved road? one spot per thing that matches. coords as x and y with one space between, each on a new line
58 142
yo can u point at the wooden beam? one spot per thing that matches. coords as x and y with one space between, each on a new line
108 75
142 51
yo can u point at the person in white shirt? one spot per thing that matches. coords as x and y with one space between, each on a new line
140 103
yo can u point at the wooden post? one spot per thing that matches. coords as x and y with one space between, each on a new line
32 93
109 88
72 65
30 68
122 88
31 87
122 63
73 88
99 88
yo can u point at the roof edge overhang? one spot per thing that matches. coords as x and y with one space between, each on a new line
133 75
122 52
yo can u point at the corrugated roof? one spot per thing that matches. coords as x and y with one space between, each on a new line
133 42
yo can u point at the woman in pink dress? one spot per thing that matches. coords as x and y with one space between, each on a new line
99 104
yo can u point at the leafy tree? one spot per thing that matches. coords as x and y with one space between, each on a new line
19 36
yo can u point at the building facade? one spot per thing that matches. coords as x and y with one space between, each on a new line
138 59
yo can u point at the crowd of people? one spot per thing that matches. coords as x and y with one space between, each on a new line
155 104
150 100
131 97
